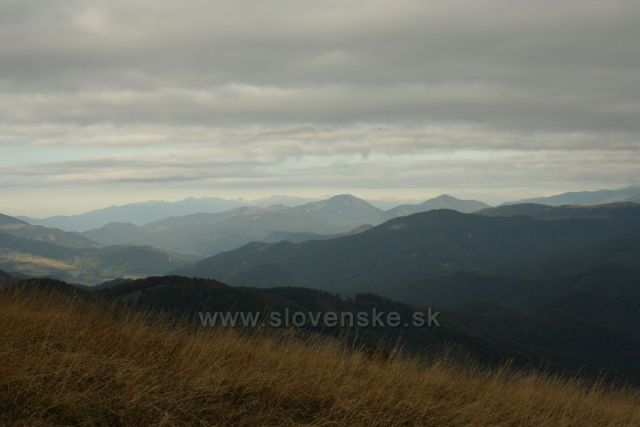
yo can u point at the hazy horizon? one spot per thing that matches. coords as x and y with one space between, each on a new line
41 206
384 203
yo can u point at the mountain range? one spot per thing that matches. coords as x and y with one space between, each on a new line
412 248
538 284
152 211
129 250
341 243
41 251
206 234
146 212
135 213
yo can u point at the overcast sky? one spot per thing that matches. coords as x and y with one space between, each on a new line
105 102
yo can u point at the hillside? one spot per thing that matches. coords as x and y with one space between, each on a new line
527 209
526 332
279 236
116 233
92 369
608 297
6 221
19 228
526 335
87 265
412 248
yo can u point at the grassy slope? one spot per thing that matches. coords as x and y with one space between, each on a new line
66 361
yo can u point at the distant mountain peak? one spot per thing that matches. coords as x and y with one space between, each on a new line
348 199
344 205
444 197
443 201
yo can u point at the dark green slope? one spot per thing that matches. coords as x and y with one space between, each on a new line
527 209
606 296
409 249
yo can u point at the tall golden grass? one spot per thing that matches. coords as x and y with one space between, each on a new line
66 361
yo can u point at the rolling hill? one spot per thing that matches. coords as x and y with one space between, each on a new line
116 233
412 248
607 295
40 251
19 228
293 237
85 265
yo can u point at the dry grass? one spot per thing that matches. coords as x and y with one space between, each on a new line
63 361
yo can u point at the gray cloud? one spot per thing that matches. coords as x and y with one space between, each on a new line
298 90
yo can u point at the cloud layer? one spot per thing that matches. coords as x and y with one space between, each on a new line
488 97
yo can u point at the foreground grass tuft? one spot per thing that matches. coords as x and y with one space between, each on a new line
67 361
